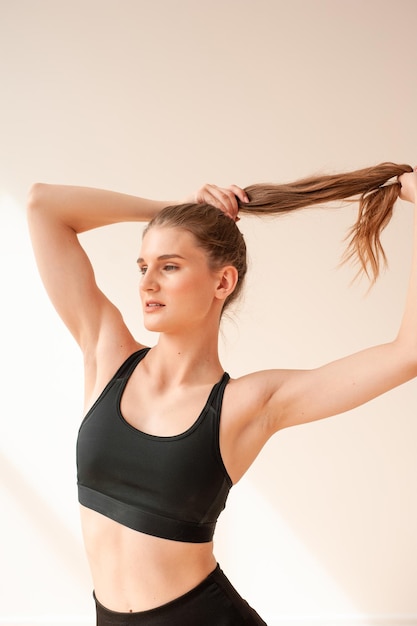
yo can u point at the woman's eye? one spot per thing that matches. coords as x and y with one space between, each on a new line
166 268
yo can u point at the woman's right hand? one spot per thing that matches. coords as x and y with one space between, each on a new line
223 198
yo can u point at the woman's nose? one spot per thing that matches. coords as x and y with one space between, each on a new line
149 282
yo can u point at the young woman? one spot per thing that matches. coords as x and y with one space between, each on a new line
166 431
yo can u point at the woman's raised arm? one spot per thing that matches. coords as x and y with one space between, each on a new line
302 396
284 398
56 215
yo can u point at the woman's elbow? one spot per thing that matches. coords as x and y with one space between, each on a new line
36 196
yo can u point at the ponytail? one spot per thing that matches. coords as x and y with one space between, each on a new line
371 186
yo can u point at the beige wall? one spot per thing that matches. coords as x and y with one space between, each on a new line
155 98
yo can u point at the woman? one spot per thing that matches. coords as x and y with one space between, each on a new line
167 432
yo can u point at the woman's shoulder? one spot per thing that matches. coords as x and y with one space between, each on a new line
247 396
259 383
102 362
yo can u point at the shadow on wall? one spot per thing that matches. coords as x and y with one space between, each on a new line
347 494
30 519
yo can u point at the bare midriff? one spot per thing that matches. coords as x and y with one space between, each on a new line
133 571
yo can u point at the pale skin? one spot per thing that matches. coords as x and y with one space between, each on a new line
182 299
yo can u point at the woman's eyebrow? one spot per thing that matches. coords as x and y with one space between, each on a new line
162 257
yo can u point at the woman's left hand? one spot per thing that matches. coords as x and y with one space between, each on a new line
408 182
223 198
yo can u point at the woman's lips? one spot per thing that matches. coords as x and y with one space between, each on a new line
153 306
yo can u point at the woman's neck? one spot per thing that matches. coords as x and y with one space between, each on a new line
193 359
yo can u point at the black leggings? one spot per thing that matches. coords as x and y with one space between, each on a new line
214 602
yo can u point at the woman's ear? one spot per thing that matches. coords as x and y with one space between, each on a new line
228 277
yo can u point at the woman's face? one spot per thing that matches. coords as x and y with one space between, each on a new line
177 287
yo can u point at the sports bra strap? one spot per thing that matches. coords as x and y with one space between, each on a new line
129 365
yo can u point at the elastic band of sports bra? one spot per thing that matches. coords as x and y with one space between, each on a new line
144 521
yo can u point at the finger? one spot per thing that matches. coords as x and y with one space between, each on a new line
225 200
210 194
239 193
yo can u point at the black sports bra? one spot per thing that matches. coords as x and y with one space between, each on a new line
170 487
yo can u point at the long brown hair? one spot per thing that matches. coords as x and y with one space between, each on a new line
372 187
223 242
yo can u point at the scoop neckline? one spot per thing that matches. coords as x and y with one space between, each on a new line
143 433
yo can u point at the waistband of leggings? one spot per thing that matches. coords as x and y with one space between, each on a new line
213 577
